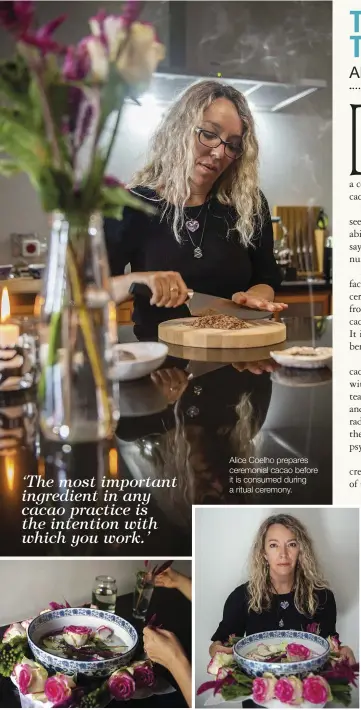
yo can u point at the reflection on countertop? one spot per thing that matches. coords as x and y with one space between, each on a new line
189 422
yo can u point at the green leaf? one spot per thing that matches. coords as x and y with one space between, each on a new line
113 94
49 193
231 692
241 677
58 98
35 102
120 196
115 211
56 190
14 81
9 168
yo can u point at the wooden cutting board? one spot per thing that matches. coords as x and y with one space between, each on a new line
261 333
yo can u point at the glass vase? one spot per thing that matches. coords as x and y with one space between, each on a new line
142 594
77 331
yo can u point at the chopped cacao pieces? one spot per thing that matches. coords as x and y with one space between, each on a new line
220 322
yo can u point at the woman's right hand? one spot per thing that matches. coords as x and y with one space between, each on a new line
167 287
216 647
172 382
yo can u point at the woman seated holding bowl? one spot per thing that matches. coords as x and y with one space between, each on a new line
212 231
285 590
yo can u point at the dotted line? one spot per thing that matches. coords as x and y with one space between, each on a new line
353 88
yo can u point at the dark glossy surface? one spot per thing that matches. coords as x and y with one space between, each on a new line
173 612
184 425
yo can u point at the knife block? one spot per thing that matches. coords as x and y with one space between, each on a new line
320 238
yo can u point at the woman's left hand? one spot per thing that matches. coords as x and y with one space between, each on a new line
261 304
346 654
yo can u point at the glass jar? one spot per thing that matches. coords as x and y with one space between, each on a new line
104 594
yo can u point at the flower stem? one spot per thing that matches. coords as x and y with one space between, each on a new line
89 339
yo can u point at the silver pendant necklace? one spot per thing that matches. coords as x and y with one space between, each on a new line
197 250
193 224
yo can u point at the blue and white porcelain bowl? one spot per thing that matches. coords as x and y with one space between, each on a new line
53 621
316 644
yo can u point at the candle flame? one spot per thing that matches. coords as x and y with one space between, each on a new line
10 472
113 462
5 305
41 466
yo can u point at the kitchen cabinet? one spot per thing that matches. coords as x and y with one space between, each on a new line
302 304
23 293
300 301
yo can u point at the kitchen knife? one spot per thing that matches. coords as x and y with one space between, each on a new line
199 302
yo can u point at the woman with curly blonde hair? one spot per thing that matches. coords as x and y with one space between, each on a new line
212 230
286 589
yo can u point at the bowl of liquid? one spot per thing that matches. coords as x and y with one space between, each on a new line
91 642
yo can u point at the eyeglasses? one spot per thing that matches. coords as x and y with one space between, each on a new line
212 140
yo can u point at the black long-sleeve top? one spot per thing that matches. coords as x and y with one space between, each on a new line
282 615
148 244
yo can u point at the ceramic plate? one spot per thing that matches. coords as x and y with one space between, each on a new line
293 377
303 357
148 357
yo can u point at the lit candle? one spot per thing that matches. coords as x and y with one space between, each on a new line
10 472
9 332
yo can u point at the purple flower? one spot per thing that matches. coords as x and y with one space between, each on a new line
121 685
54 606
16 17
216 685
131 12
343 671
313 628
111 32
110 181
98 57
76 63
42 38
143 674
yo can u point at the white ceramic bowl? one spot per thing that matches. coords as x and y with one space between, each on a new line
149 356
52 621
303 357
317 644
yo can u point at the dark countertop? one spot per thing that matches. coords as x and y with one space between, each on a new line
191 438
173 611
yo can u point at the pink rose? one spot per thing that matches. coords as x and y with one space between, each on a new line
30 676
316 690
58 688
288 690
76 635
121 685
313 628
263 688
14 631
219 660
297 652
335 644
143 674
